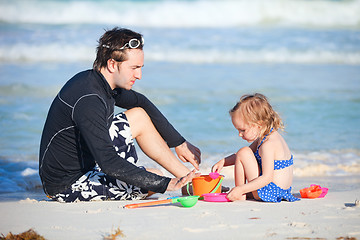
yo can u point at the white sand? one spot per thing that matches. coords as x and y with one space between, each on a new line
328 218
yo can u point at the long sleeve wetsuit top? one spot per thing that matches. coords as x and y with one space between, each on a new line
76 135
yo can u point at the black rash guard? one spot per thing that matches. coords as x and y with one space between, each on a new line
76 135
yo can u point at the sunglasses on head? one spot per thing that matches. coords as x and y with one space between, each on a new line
133 43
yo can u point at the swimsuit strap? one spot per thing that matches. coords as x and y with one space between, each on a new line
278 164
264 139
257 155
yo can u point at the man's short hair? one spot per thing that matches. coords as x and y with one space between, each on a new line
113 45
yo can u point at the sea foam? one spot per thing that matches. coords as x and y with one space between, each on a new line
216 13
71 53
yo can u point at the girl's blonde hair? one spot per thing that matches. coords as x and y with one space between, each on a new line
256 109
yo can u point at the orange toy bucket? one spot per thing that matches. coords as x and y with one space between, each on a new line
205 184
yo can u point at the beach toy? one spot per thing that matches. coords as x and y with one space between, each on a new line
205 184
214 175
324 191
314 191
189 201
216 197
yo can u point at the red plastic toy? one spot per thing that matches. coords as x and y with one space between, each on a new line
314 191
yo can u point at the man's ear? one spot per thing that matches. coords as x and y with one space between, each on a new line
111 65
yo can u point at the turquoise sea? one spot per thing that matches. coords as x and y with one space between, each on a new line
200 57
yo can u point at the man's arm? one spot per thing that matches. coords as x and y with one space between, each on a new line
129 99
90 118
185 150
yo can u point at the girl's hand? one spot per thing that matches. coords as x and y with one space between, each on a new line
177 183
218 166
236 194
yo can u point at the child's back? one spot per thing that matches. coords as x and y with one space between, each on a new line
265 168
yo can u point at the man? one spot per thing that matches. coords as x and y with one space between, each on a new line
87 153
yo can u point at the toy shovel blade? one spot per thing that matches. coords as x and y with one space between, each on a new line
214 175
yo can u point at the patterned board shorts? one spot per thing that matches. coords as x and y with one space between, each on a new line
96 185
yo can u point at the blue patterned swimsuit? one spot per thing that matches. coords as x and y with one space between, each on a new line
272 192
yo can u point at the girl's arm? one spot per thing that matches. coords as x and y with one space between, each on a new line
230 160
227 161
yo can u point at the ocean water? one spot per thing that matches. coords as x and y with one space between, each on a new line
200 57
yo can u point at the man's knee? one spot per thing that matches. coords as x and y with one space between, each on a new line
137 113
139 121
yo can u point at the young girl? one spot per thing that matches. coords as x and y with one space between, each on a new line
265 168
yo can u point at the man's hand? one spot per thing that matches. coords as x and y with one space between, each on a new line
189 153
177 183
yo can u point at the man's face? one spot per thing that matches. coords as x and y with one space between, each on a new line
130 70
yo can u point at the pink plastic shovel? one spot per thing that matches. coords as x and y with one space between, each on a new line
214 175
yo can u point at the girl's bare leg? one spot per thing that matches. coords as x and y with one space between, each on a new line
152 144
246 168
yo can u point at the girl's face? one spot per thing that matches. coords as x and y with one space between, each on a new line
248 132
